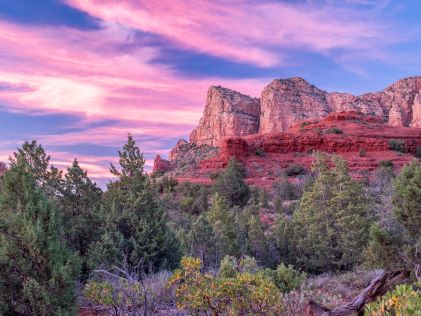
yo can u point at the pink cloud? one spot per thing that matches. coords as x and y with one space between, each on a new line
242 30
73 72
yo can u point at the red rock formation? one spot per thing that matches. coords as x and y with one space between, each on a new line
227 113
178 149
286 101
161 165
345 133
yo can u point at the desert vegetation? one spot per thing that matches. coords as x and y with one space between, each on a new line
148 245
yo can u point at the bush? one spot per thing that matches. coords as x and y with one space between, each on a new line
404 300
286 278
244 294
362 152
397 145
126 293
334 130
294 170
260 152
385 164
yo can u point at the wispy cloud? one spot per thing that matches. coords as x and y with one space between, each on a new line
243 30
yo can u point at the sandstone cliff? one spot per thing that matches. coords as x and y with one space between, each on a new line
268 156
285 101
227 113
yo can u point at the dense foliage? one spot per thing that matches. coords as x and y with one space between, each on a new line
247 249
244 293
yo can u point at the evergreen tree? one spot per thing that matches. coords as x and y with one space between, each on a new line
222 222
37 272
80 204
283 235
136 224
407 198
202 241
256 241
332 221
36 162
231 186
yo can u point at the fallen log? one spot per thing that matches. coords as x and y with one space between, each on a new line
378 287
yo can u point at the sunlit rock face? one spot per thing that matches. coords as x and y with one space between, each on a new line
291 120
227 113
286 101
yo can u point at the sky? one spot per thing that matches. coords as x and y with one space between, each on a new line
79 75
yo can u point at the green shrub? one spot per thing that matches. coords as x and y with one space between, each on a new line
397 145
404 300
244 294
294 170
286 278
334 130
385 164
362 152
260 152
228 268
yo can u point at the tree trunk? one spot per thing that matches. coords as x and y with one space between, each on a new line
378 287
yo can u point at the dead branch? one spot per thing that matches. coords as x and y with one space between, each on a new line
378 287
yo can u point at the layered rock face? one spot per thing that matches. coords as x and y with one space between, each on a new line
342 133
227 113
285 101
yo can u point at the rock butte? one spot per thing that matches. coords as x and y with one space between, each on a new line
293 118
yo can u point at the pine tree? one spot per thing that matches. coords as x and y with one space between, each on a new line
333 219
36 162
202 241
80 204
222 222
283 235
136 224
256 241
37 272
231 186
407 198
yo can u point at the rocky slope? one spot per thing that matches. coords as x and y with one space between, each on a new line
286 101
362 140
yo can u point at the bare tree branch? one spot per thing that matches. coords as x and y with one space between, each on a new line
378 287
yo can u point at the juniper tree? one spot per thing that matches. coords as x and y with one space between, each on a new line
37 272
256 241
395 241
202 241
136 224
407 198
80 204
222 222
230 184
332 222
33 159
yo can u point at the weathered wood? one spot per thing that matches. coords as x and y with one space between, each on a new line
378 287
